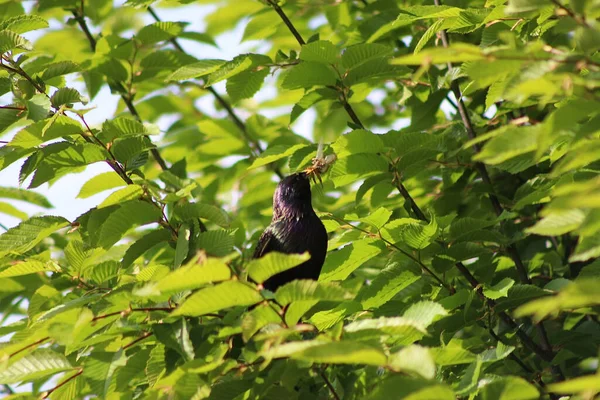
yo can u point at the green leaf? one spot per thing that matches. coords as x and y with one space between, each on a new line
356 55
400 329
224 295
245 84
38 107
25 195
302 290
23 23
129 215
498 290
259 270
159 32
130 192
509 142
190 276
261 27
128 148
509 388
144 244
425 312
218 243
308 74
341 263
357 141
320 51
558 223
588 383
11 210
458 52
238 65
29 233
10 40
520 6
43 131
60 68
375 70
190 211
343 352
414 233
413 359
196 70
100 183
356 166
256 319
40 363
390 281
28 267
275 153
67 96
403 387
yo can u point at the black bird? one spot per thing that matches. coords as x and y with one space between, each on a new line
295 228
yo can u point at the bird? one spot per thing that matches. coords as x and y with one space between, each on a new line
295 228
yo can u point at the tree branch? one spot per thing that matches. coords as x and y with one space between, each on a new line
47 394
328 384
255 146
127 99
511 249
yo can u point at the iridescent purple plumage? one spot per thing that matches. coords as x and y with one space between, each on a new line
295 228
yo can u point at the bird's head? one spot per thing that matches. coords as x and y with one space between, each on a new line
293 189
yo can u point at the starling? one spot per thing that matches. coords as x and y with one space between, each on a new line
295 228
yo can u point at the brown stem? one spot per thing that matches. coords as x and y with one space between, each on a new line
127 98
287 22
42 340
144 336
328 384
579 19
49 392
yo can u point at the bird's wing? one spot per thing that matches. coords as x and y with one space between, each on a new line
267 243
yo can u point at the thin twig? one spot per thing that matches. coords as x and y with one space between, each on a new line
449 288
328 384
144 336
42 340
579 19
287 22
49 392
127 99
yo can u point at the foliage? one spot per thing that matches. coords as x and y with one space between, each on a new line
462 253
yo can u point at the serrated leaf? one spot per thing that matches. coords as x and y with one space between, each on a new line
558 223
190 276
130 192
320 51
25 195
376 69
40 363
498 290
159 32
143 244
254 320
129 215
343 352
408 388
29 233
308 74
23 23
413 359
357 141
275 153
356 166
190 211
245 84
303 290
10 40
415 233
273 263
425 312
398 329
359 54
224 295
509 388
43 131
196 70
218 243
60 68
239 64
67 95
387 284
28 267
458 52
100 183
341 263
